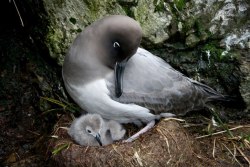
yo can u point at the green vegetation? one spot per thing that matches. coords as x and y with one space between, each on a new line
60 148
180 4
215 52
221 123
159 5
219 54
64 106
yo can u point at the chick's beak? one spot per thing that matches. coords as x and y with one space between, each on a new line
98 139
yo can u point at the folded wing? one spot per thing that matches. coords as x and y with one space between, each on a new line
152 83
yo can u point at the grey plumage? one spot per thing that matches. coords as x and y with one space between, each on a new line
159 87
93 130
106 73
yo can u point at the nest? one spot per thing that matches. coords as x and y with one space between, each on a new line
167 144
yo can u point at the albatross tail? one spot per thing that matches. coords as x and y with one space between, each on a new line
212 94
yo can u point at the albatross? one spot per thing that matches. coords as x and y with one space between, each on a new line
107 73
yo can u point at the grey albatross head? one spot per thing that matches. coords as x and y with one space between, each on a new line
108 43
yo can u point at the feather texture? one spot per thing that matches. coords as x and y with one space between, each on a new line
152 83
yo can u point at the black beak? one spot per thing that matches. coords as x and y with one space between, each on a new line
119 70
98 139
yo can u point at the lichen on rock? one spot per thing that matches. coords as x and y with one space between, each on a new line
154 22
68 18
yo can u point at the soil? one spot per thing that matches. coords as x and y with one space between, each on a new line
25 76
24 130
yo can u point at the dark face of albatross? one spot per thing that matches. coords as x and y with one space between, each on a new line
123 35
107 43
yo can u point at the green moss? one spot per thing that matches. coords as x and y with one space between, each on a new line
128 10
176 7
55 40
215 52
216 55
212 47
180 4
188 24
159 5
93 8
92 5
96 9
199 27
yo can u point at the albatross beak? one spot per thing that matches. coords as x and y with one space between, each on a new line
119 70
98 139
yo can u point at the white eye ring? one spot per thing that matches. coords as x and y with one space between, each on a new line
116 44
89 130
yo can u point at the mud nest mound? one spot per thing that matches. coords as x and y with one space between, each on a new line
167 144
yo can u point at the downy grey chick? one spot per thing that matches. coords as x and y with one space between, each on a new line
93 130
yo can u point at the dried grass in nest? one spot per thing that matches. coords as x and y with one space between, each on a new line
167 144
231 151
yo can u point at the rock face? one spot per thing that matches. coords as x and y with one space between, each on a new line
207 40
245 84
68 18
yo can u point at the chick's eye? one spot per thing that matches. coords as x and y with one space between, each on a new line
116 45
89 131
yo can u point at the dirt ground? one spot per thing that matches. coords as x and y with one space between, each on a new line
24 130
24 74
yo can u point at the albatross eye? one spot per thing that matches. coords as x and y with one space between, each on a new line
116 45
89 131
